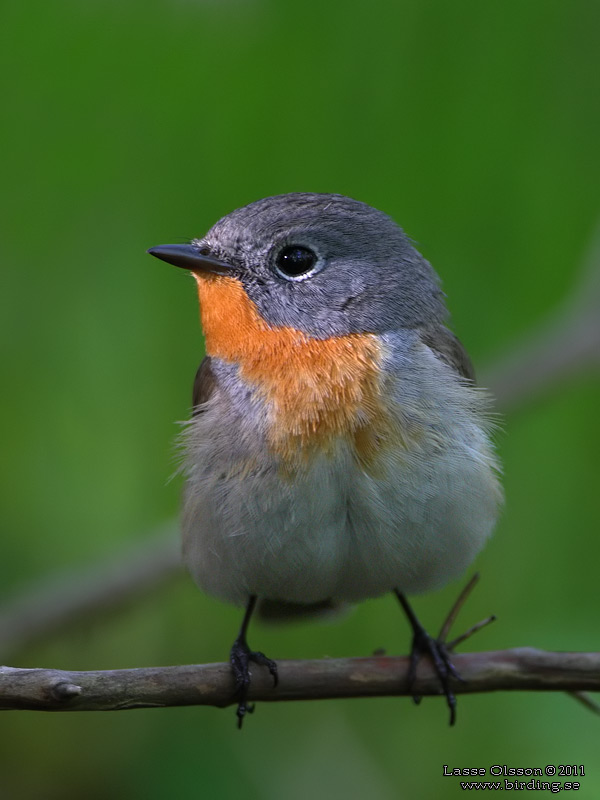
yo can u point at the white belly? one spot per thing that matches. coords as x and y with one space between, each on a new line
334 532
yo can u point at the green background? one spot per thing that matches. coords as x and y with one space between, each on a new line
129 124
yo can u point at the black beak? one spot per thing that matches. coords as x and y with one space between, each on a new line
187 256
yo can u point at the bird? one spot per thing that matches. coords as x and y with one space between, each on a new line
338 448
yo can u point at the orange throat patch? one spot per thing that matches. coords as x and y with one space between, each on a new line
316 390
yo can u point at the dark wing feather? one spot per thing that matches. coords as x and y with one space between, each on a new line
204 385
449 348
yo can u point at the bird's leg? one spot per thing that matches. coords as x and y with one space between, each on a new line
424 643
240 658
438 649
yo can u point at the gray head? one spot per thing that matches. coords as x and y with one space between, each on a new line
325 264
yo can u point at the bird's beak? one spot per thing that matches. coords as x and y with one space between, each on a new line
187 256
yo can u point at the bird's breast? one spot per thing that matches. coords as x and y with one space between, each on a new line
314 390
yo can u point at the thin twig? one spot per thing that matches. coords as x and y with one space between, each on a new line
564 346
468 633
454 611
47 607
586 701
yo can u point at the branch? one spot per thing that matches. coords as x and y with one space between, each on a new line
86 593
566 345
520 669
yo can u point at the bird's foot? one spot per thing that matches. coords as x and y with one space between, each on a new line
439 650
240 658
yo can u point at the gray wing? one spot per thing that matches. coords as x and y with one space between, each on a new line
449 348
204 385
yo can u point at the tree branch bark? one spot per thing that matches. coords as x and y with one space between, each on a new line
519 669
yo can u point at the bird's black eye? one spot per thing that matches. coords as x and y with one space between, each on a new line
295 260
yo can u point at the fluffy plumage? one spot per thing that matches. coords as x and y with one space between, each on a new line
339 448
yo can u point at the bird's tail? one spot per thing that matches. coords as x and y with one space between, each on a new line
278 611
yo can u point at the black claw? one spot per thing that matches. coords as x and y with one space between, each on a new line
424 644
415 655
240 658
261 658
241 712
439 650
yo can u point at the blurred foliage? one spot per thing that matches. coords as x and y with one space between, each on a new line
128 124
